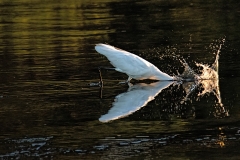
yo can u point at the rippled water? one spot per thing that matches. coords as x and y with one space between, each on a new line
48 61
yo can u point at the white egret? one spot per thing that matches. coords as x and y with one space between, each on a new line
134 66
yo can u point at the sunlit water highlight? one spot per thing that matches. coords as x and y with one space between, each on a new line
117 146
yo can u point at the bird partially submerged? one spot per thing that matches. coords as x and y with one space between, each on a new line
132 65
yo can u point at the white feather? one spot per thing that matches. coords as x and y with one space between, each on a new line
134 66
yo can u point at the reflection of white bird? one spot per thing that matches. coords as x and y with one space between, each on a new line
135 98
134 66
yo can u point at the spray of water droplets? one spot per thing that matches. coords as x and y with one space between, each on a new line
205 77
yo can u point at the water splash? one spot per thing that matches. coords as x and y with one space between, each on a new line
207 72
208 79
188 73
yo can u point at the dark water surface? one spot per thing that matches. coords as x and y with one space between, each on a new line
47 63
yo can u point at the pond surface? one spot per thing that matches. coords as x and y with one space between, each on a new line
50 110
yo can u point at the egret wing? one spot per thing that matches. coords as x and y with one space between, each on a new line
129 63
126 62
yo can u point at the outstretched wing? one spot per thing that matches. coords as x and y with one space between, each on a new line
124 61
